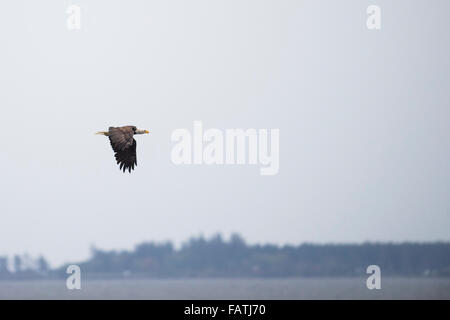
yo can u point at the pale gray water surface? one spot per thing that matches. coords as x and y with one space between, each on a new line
313 288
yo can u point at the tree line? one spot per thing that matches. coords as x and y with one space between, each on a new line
215 257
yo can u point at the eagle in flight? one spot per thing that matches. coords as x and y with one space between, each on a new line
123 145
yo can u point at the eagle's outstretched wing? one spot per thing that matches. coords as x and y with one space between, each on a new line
124 147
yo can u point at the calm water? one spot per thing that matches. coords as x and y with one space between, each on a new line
322 288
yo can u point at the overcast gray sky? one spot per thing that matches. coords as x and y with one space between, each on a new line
363 118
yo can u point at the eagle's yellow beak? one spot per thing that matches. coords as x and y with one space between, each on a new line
146 131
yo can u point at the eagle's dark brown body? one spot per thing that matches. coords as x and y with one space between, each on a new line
124 145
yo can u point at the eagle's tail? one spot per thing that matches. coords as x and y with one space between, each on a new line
103 133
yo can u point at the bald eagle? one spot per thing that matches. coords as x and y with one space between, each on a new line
123 145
